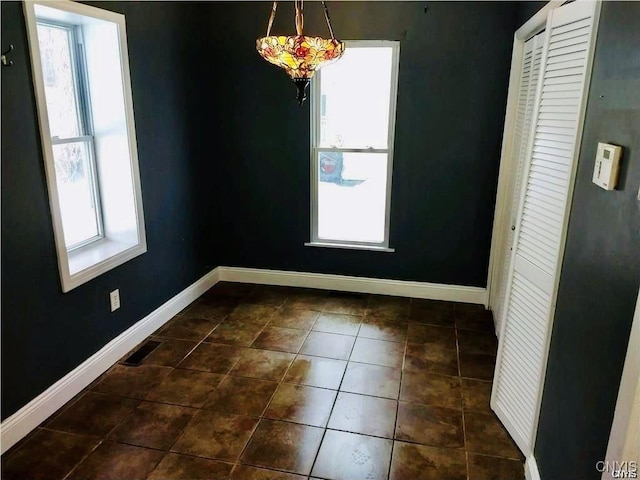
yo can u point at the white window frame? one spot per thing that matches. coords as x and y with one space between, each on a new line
117 244
316 148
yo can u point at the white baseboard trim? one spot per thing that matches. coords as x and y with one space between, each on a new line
18 425
433 291
531 469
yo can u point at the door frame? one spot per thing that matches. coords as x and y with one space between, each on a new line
507 170
623 430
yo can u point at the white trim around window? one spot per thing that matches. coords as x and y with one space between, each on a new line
110 105
317 109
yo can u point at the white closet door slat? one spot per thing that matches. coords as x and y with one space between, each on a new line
530 74
542 216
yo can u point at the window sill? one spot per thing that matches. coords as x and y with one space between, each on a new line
93 260
350 246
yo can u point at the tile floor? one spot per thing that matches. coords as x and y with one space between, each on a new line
258 382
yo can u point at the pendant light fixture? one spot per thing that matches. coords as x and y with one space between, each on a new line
299 55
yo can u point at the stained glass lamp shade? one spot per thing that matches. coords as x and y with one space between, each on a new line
299 55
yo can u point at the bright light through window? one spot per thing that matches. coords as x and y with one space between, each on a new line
354 114
66 95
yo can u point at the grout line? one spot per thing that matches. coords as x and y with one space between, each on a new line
395 424
464 429
335 400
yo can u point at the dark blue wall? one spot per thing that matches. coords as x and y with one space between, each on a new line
454 69
601 268
45 333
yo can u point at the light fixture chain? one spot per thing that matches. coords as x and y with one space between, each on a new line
299 16
272 17
326 16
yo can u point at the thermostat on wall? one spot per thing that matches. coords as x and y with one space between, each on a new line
605 171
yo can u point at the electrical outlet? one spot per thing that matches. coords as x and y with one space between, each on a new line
115 299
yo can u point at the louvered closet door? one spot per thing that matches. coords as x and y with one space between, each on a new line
530 75
543 210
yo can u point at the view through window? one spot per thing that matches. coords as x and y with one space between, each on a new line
353 116
69 123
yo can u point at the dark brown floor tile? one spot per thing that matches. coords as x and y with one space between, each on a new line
480 320
306 303
229 289
431 335
46 455
134 382
486 435
316 372
216 435
338 323
301 404
283 446
468 307
280 339
418 304
473 365
378 352
371 380
477 342
476 395
181 467
420 462
350 304
433 316
189 328
244 396
431 389
348 456
170 352
268 295
364 414
243 472
383 329
493 468
388 307
189 388
212 357
241 335
211 307
307 299
294 318
431 358
328 345
115 461
153 425
93 414
247 313
264 364
430 425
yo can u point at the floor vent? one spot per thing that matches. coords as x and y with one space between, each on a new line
140 354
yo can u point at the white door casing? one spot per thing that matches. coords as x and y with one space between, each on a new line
624 439
543 212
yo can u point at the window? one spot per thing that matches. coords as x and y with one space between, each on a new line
353 120
83 94
70 126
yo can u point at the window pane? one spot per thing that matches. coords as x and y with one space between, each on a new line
352 193
76 192
355 93
60 88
